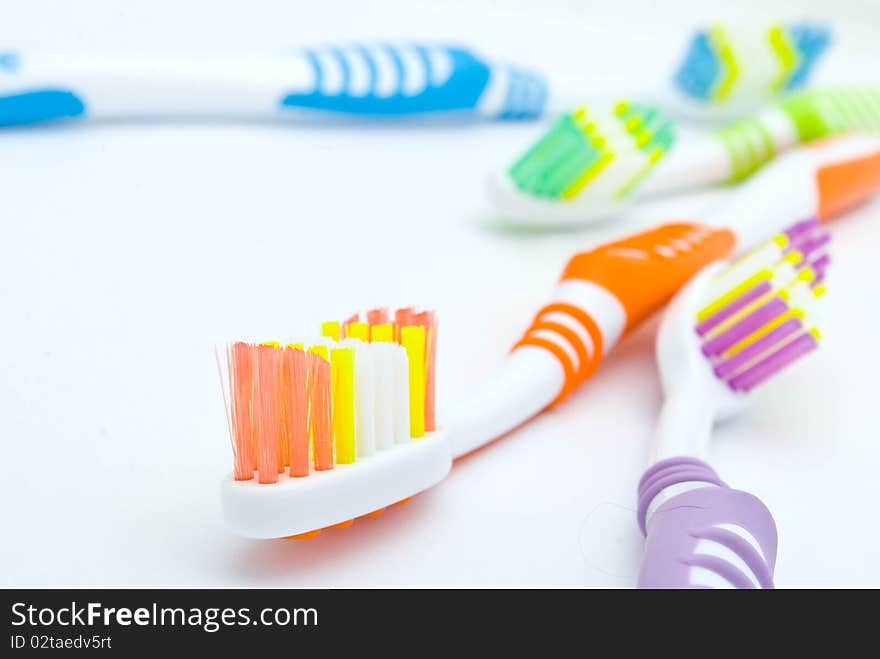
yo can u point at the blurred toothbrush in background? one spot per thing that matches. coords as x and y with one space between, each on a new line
594 162
724 72
730 71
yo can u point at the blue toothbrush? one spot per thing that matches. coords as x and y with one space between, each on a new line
378 80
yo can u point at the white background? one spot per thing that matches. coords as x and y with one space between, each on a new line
129 250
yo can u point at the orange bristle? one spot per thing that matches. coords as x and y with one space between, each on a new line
267 408
296 410
320 423
378 317
239 410
403 317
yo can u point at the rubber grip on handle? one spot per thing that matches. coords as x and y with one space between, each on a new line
645 270
704 528
846 184
641 272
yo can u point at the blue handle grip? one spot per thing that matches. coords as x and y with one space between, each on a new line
525 93
37 105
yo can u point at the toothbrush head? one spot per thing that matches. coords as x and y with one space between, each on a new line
327 432
729 71
738 324
586 166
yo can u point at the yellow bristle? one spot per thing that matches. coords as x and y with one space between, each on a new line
794 257
621 108
321 351
588 175
295 346
632 124
732 294
819 290
342 373
412 338
358 330
382 333
271 344
807 274
330 329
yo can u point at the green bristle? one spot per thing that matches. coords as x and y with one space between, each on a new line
556 160
573 151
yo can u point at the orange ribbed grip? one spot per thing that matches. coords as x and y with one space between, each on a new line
642 272
843 185
645 270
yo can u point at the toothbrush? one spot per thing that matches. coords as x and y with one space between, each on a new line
594 162
730 71
728 331
603 293
372 80
298 466
382 80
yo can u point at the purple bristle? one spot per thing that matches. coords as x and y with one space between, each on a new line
733 307
757 373
781 345
729 367
801 228
819 266
813 244
742 328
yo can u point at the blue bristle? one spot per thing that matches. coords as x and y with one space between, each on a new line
700 69
811 41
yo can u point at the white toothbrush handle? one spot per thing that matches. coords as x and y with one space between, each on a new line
104 87
531 378
729 154
365 80
602 293
819 180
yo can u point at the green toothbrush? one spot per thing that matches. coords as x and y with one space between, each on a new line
592 162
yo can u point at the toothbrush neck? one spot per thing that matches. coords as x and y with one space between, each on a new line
685 423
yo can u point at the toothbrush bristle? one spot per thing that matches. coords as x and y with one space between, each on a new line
297 409
763 317
238 399
606 150
295 400
267 413
320 420
723 63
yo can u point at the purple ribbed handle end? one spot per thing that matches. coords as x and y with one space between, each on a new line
704 528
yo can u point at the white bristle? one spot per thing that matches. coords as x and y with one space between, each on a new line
365 400
383 381
401 395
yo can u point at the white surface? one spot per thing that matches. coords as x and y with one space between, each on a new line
129 250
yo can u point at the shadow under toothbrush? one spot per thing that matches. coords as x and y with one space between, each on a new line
341 122
283 559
